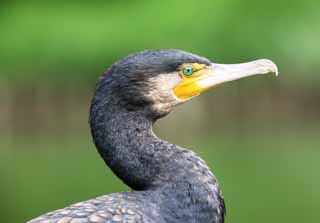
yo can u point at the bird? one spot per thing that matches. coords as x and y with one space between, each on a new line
169 184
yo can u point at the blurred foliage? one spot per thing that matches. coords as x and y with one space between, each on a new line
73 40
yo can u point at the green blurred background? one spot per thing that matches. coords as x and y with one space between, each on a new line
261 136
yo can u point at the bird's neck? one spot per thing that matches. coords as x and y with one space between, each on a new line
127 144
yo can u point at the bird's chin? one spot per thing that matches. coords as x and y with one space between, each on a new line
158 111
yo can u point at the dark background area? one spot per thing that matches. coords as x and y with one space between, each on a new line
260 136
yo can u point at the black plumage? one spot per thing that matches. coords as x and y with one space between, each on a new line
170 184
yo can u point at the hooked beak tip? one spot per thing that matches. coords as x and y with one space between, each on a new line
268 66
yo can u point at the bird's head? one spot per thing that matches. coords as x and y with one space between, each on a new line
155 81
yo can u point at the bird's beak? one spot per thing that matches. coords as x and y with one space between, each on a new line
217 74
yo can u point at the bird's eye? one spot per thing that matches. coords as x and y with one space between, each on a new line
187 70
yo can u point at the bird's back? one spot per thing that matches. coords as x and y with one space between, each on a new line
126 207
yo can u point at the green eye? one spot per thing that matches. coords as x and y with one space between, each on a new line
187 70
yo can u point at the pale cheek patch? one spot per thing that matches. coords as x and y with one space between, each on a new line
160 91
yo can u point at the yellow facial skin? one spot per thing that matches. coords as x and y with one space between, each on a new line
197 78
188 87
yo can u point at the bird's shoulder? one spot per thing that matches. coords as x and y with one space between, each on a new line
113 208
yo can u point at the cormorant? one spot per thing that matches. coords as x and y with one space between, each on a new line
169 184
